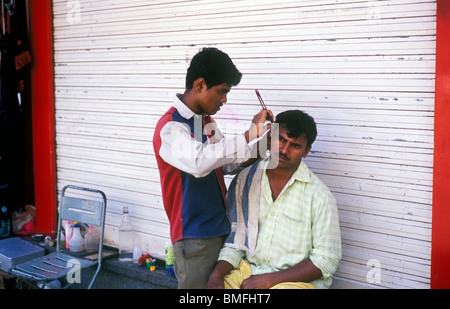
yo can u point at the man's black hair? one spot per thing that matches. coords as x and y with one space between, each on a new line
214 66
298 123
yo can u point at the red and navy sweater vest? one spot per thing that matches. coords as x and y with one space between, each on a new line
195 206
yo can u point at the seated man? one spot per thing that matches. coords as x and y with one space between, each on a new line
285 226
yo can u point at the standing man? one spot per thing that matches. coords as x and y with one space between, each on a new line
190 152
285 226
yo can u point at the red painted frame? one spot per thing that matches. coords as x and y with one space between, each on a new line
40 12
440 244
43 113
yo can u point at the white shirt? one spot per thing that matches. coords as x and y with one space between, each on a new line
189 154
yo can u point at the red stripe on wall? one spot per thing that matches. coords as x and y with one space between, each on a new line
440 244
43 113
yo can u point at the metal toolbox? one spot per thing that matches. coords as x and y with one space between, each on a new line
15 251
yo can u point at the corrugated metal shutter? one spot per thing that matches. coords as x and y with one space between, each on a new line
363 69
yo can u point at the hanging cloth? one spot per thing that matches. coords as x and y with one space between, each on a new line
15 63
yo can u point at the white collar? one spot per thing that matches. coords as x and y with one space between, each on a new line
182 108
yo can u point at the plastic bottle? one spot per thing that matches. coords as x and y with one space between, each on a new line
76 243
69 231
91 240
125 238
137 252
169 258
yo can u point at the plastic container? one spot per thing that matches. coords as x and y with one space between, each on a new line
126 240
137 252
152 264
91 240
76 242
69 231
169 258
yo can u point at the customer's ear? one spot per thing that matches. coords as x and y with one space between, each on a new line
305 154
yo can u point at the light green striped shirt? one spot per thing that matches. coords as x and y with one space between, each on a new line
301 223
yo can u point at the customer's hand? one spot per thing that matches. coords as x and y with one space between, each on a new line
215 282
257 282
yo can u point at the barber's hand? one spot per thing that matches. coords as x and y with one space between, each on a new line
257 127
